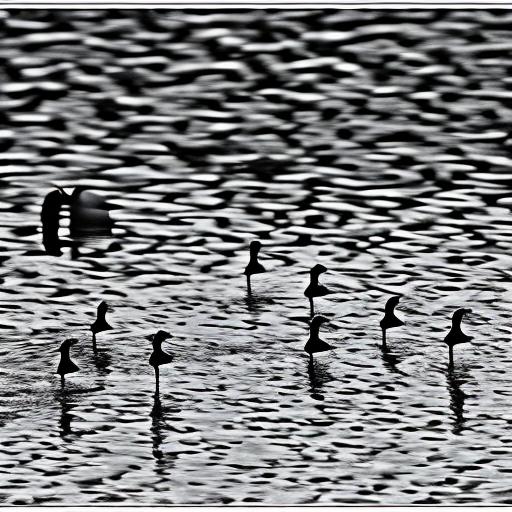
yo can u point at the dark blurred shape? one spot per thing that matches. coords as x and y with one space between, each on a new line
89 216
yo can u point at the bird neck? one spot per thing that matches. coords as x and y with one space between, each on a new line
314 279
456 323
314 331
101 316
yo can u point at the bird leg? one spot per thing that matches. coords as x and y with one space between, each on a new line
94 348
384 344
157 380
249 291
311 307
62 381
450 352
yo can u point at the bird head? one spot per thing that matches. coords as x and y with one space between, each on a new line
255 247
459 314
318 269
160 336
103 307
318 320
67 343
392 302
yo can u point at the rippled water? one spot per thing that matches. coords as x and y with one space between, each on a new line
371 142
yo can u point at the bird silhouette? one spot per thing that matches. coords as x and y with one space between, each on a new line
158 356
389 320
456 336
100 324
315 289
314 343
254 266
66 365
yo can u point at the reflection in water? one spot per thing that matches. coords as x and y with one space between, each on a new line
391 360
66 404
318 376
102 360
454 379
158 424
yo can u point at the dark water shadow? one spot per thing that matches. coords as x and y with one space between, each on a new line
318 372
158 428
455 378
67 403
68 398
257 302
102 360
393 357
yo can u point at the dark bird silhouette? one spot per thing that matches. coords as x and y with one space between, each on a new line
65 364
158 356
315 289
314 343
456 336
389 320
100 324
254 266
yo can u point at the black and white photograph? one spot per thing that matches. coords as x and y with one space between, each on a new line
255 256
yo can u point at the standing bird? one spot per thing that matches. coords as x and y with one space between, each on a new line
65 363
389 320
456 336
254 266
314 343
315 289
158 356
100 324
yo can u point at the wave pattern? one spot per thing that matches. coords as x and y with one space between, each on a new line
373 142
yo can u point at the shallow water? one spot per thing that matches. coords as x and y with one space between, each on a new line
371 142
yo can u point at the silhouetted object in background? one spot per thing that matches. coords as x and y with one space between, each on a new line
65 364
100 324
314 343
158 356
456 336
315 289
254 266
50 218
88 214
389 320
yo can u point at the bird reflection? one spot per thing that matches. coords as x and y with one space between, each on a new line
66 405
157 425
102 360
391 360
255 303
454 379
318 376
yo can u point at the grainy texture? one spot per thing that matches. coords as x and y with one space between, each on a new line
373 142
